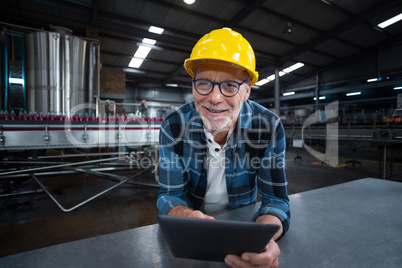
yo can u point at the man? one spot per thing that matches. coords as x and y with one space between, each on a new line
217 151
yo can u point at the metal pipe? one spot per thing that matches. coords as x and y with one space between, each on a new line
23 67
276 96
115 177
87 200
385 162
149 103
98 82
79 155
317 90
62 172
18 26
19 194
32 162
91 72
59 166
100 174
38 174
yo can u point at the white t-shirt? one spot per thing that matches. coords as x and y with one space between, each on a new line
216 196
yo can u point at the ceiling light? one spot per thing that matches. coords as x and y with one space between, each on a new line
289 93
353 94
16 81
262 82
172 85
397 88
271 77
149 41
135 63
320 98
157 30
372 80
142 52
189 2
390 21
281 73
293 67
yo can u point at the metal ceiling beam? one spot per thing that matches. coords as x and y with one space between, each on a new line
145 33
362 17
266 57
344 11
117 38
297 22
393 41
122 69
95 7
195 37
217 20
65 5
131 21
245 12
121 55
176 40
336 90
174 74
86 9
365 86
136 74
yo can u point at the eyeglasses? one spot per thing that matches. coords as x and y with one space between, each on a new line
227 88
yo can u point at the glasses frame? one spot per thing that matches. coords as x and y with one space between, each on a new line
219 86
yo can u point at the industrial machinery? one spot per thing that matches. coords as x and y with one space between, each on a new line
50 101
396 117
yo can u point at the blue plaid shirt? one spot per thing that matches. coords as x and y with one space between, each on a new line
254 160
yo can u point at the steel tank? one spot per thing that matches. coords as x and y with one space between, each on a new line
61 72
42 73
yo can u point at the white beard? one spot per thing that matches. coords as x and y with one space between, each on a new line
217 123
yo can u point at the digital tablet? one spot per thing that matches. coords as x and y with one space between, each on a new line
211 240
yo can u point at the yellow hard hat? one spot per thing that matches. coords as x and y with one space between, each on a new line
223 45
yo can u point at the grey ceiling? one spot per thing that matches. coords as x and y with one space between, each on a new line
323 31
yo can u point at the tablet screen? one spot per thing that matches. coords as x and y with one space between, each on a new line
212 240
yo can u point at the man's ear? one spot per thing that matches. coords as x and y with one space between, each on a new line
247 93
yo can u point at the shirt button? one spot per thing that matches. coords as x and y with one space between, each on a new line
216 150
209 140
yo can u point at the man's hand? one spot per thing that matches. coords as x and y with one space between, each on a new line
182 211
268 258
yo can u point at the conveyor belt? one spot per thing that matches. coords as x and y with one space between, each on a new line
47 134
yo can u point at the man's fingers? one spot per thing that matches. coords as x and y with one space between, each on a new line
198 214
268 258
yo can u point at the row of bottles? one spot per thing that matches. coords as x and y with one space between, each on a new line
79 117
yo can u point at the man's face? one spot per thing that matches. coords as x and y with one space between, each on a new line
220 113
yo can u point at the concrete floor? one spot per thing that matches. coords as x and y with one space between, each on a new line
32 222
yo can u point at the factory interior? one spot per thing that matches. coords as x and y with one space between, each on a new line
81 107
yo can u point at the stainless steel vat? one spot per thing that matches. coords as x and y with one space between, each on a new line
42 73
61 72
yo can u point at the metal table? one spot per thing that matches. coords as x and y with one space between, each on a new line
354 224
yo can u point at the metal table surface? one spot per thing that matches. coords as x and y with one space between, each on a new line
354 224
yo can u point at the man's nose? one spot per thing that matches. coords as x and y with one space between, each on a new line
216 95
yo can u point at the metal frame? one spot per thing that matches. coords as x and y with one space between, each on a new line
62 208
32 172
